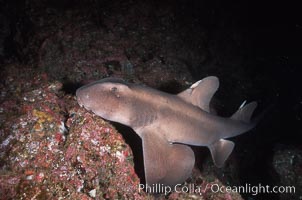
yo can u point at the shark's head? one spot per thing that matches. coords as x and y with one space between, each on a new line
108 98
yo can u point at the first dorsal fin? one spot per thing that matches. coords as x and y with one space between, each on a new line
201 92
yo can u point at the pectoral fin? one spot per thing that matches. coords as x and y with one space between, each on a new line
220 151
166 163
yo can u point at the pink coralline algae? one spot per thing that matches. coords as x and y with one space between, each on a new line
52 149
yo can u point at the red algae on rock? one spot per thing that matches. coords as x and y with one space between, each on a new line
100 155
46 154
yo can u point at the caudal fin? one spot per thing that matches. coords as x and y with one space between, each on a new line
245 112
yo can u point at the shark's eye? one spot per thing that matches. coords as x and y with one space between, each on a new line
113 89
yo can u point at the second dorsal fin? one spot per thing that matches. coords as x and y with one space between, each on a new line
201 92
245 112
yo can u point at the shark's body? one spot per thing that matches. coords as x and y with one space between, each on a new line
168 123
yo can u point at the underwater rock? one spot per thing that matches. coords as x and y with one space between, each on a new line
287 163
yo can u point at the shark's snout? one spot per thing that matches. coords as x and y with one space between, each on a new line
79 100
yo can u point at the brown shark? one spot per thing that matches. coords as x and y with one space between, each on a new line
168 124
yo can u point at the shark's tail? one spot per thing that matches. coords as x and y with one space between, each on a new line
245 112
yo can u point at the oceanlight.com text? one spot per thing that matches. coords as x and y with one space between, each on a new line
253 189
215 188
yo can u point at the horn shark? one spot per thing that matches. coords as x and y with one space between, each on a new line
168 124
